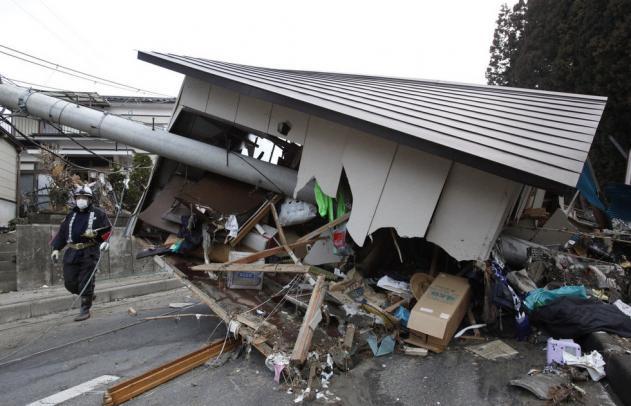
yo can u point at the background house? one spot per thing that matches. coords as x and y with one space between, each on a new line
98 154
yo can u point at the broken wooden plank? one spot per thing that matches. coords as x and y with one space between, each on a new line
315 233
131 388
395 306
305 335
349 337
254 220
283 268
266 253
281 235
249 330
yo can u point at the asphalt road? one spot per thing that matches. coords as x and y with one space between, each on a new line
455 377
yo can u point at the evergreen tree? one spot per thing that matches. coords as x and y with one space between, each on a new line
577 46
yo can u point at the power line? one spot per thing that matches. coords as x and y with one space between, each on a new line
86 76
13 81
36 144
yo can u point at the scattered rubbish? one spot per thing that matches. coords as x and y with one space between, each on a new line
541 385
593 362
623 307
383 347
419 352
493 350
180 305
132 312
402 288
464 330
556 349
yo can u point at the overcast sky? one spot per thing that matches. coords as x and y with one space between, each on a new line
429 39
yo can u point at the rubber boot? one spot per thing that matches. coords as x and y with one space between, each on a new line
84 313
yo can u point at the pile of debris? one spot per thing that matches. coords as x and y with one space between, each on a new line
284 276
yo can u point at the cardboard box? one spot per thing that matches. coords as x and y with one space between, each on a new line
244 280
438 313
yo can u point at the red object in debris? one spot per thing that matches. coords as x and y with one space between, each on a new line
339 238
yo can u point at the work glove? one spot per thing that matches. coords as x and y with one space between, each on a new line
104 246
89 234
54 255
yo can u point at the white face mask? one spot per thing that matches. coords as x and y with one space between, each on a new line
82 203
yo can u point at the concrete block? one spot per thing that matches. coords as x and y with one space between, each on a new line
34 267
120 255
13 312
53 305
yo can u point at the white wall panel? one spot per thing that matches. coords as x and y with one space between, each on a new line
253 113
470 212
411 193
367 160
322 155
194 93
223 103
299 122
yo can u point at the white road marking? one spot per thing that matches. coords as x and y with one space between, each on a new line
75 391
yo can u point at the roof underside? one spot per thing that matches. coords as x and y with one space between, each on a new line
535 137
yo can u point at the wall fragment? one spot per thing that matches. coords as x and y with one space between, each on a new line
471 211
411 192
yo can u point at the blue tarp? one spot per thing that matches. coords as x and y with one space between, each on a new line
587 186
619 197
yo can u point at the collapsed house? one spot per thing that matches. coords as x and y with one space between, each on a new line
279 194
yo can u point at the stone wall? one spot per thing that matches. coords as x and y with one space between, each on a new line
35 269
8 277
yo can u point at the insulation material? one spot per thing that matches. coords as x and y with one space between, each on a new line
194 93
367 160
413 187
471 211
322 155
297 120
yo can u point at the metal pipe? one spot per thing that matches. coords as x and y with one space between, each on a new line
182 149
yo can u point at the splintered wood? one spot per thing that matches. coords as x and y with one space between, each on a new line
284 268
305 335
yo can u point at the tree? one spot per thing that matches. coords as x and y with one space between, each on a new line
506 39
577 46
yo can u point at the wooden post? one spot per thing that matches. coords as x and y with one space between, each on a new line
305 335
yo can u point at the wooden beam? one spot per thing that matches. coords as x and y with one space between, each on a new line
131 388
315 233
281 234
265 253
305 335
284 268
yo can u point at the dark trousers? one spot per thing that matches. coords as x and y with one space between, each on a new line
78 267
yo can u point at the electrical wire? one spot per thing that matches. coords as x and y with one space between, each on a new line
72 164
13 81
85 76
114 330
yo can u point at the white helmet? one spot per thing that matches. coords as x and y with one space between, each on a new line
83 191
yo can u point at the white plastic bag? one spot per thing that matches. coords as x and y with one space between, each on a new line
296 212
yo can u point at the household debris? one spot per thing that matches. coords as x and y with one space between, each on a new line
493 350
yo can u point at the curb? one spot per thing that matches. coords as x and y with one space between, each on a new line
60 303
617 362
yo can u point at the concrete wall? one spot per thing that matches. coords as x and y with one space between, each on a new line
8 277
35 269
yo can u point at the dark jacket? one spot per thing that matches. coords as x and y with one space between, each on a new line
80 220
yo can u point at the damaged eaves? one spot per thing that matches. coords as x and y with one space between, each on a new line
535 137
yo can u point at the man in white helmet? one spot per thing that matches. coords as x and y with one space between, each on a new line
85 232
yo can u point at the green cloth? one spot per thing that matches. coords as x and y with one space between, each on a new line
541 297
326 204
